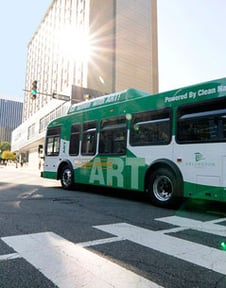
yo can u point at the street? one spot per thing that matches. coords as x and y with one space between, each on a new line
95 237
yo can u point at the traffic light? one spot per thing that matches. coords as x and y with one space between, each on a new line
34 89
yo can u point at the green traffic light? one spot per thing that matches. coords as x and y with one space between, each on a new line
34 92
34 89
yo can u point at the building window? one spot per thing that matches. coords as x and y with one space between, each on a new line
31 131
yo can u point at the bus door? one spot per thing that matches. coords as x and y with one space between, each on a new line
52 149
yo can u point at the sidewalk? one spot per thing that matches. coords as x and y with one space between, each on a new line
12 167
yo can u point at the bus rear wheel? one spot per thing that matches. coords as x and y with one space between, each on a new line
162 187
66 177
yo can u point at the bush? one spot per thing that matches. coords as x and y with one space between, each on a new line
8 155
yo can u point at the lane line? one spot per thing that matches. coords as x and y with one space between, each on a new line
210 258
69 265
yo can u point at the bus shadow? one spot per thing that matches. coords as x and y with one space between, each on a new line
113 192
211 209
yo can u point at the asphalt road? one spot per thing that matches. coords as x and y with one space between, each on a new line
47 234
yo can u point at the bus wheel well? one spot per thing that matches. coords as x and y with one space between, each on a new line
165 170
66 175
61 166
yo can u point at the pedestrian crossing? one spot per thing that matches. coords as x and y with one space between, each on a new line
55 250
208 257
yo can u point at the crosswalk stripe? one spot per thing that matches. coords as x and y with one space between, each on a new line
9 256
210 258
70 266
187 223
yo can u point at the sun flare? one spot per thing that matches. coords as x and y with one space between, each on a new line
75 44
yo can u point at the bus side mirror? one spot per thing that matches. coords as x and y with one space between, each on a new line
40 151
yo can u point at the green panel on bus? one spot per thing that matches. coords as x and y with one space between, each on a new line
116 172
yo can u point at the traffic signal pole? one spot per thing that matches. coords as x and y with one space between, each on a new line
53 95
34 91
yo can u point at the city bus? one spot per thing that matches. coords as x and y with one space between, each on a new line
169 145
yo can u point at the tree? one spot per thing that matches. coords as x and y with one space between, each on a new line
5 146
8 155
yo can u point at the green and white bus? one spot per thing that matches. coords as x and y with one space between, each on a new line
169 145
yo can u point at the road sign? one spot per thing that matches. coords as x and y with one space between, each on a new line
61 97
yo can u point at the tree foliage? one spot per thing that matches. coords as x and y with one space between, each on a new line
5 146
8 155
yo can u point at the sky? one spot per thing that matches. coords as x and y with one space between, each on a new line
191 41
19 19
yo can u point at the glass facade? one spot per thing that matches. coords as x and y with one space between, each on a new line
10 118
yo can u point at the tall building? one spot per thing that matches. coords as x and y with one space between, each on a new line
103 46
10 117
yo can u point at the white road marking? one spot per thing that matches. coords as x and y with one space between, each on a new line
9 256
70 266
198 254
100 241
186 223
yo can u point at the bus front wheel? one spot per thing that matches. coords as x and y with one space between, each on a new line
162 187
66 177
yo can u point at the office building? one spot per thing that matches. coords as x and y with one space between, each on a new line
104 46
10 117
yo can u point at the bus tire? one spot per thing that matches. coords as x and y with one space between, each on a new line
162 187
66 177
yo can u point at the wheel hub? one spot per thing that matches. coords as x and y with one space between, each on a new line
162 188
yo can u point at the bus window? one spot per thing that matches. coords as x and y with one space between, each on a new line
113 132
53 141
74 139
205 122
151 128
89 137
